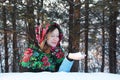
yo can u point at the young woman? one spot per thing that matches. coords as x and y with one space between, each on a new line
48 55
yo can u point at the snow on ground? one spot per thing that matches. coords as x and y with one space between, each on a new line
59 76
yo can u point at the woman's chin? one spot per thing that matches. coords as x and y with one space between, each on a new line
53 46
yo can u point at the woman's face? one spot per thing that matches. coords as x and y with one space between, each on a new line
53 38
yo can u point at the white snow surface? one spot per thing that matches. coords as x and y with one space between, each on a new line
58 76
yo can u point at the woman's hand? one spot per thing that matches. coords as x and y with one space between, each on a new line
76 56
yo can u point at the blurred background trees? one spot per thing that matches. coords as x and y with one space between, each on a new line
89 26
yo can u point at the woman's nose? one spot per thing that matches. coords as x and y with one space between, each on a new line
55 38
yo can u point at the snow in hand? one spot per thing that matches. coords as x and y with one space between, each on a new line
59 76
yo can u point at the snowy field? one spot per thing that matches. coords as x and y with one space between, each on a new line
59 76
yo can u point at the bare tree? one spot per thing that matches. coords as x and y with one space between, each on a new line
5 37
74 31
15 51
31 21
103 40
86 33
112 35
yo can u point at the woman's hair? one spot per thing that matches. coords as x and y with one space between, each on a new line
52 27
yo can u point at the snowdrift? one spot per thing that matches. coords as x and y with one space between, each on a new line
59 76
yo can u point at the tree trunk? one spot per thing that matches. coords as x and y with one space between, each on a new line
103 44
5 39
71 12
1 63
31 22
39 16
15 50
112 36
86 33
75 33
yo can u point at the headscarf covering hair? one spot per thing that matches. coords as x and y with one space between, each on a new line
42 31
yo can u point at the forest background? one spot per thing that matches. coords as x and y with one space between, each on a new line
89 26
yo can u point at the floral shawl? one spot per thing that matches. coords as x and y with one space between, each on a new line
34 58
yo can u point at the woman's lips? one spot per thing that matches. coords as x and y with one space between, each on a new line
54 42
